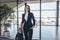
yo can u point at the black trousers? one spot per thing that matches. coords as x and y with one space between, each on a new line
28 34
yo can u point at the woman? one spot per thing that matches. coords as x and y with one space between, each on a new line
28 26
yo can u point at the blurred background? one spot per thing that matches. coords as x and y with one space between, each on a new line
47 17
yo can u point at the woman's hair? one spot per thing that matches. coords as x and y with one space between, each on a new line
28 8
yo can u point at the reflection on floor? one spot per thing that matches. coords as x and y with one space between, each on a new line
3 38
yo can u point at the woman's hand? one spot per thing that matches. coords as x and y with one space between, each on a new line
20 25
32 27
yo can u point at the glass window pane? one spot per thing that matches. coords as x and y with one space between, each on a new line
48 32
34 6
48 17
59 13
59 4
48 21
48 13
59 33
9 23
59 21
48 6
59 24
36 13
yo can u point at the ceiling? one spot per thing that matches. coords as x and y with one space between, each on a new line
27 0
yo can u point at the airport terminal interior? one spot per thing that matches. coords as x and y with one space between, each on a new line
46 13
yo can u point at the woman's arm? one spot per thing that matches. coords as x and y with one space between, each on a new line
22 20
33 19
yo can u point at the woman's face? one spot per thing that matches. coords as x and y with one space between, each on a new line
27 9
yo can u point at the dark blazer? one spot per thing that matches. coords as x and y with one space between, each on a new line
28 24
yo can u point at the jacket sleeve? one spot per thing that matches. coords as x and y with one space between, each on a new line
22 19
33 19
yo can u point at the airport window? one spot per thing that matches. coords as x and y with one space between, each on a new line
48 21
59 24
59 13
11 21
49 31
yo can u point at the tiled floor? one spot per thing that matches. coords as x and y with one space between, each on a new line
3 38
11 39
